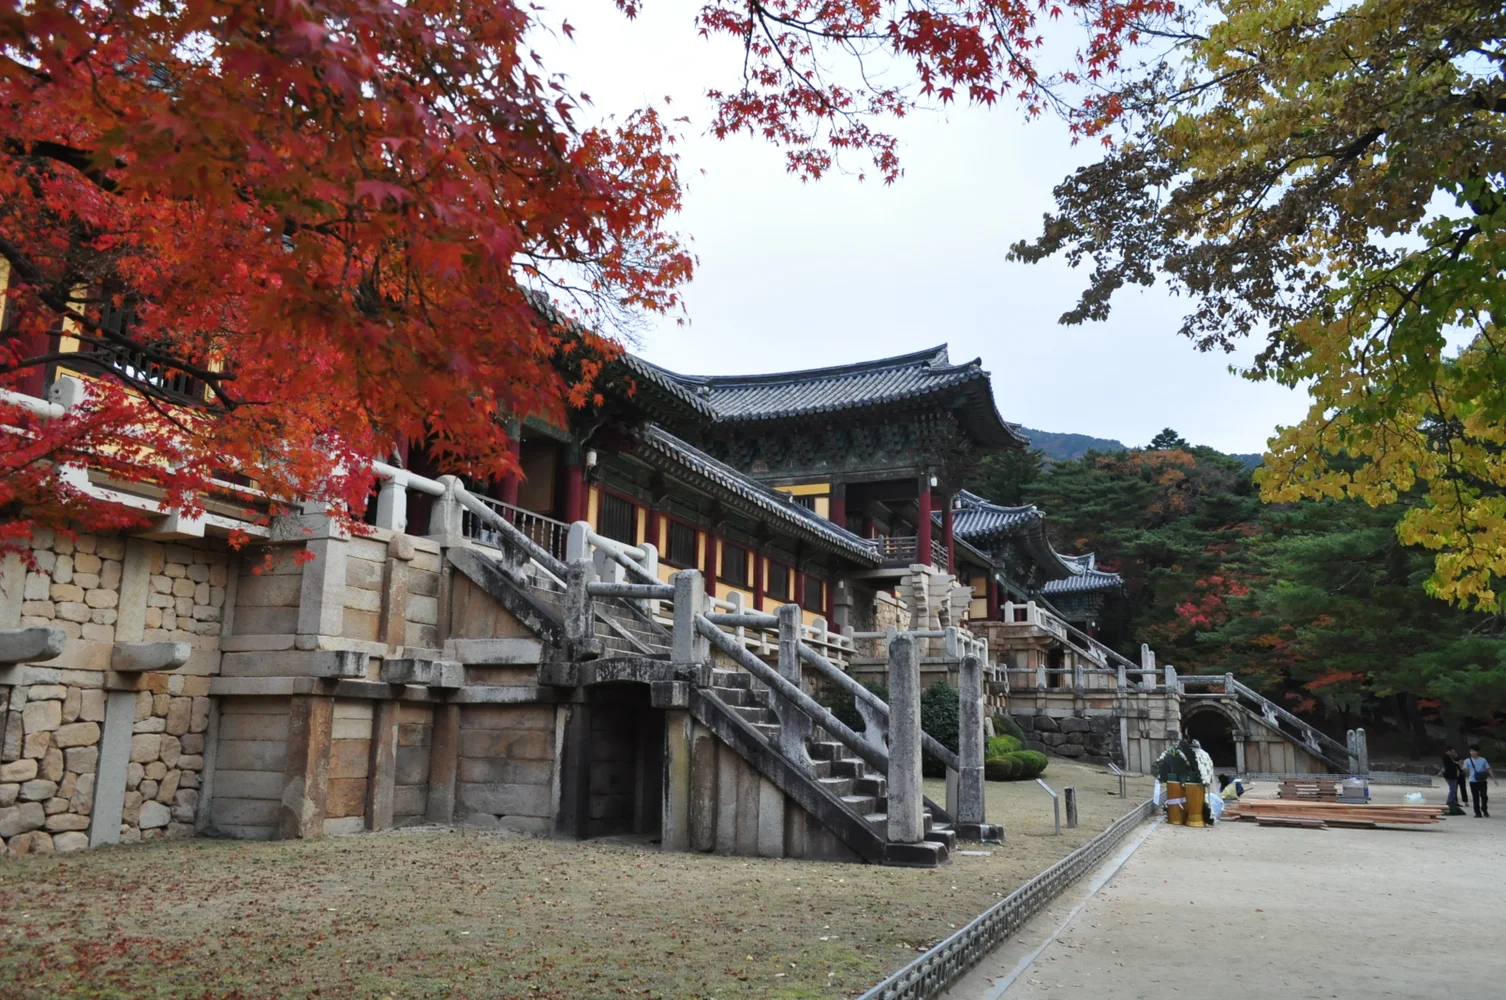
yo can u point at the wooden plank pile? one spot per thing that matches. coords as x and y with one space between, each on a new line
1312 814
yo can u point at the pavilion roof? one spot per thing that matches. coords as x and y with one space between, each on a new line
1086 577
910 379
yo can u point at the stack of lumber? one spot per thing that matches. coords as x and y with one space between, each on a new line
1313 790
1315 815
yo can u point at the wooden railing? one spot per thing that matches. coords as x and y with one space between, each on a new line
906 549
545 532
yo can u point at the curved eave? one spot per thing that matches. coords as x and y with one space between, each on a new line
1084 583
673 456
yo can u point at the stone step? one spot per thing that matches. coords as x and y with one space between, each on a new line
926 854
943 835
820 750
821 769
851 767
871 785
860 804
840 787
754 714
766 729
734 697
731 679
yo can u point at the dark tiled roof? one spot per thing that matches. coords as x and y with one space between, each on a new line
908 378
977 519
1086 576
763 500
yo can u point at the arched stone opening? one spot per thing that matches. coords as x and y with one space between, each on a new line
1217 734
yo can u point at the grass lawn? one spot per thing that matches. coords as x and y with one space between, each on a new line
410 914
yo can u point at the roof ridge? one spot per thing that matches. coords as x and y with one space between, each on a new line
933 357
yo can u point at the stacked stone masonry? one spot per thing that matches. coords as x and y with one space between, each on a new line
55 719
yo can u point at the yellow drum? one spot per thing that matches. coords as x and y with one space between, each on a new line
1194 795
1175 811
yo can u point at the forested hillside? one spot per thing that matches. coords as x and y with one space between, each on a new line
1316 603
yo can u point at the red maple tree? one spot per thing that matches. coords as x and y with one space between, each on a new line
280 237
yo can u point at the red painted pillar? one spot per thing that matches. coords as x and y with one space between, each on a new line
508 491
838 506
575 494
923 529
757 581
651 529
993 597
799 593
710 570
948 540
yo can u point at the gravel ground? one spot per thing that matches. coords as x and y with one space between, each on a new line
1245 911
454 915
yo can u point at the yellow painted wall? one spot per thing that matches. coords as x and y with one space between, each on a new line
593 506
806 489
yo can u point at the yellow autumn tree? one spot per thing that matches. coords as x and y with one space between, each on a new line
1329 177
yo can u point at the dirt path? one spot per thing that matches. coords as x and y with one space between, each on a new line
1246 911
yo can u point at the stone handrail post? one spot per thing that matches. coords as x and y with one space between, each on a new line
1147 667
1362 745
445 518
689 648
970 743
392 505
794 725
580 611
906 823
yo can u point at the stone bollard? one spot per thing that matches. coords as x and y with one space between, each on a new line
1070 794
906 797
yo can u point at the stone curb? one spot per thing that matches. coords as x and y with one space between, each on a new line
944 964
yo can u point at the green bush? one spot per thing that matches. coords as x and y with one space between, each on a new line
1005 768
840 704
998 746
1017 765
1033 761
1004 725
938 717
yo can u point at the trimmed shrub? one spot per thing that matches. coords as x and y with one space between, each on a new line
1017 765
998 746
1033 761
1004 725
1005 768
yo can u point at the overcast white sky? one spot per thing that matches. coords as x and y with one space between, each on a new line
796 275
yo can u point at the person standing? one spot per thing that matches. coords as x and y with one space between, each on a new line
1477 770
1454 778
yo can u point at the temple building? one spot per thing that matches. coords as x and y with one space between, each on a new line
641 634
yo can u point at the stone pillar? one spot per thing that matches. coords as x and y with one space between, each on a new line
444 761
393 621
970 745
381 775
114 759
993 597
1147 667
305 782
674 830
923 525
1239 753
321 599
906 799
1070 795
1363 746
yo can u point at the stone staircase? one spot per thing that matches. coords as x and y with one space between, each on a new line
838 773
624 631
